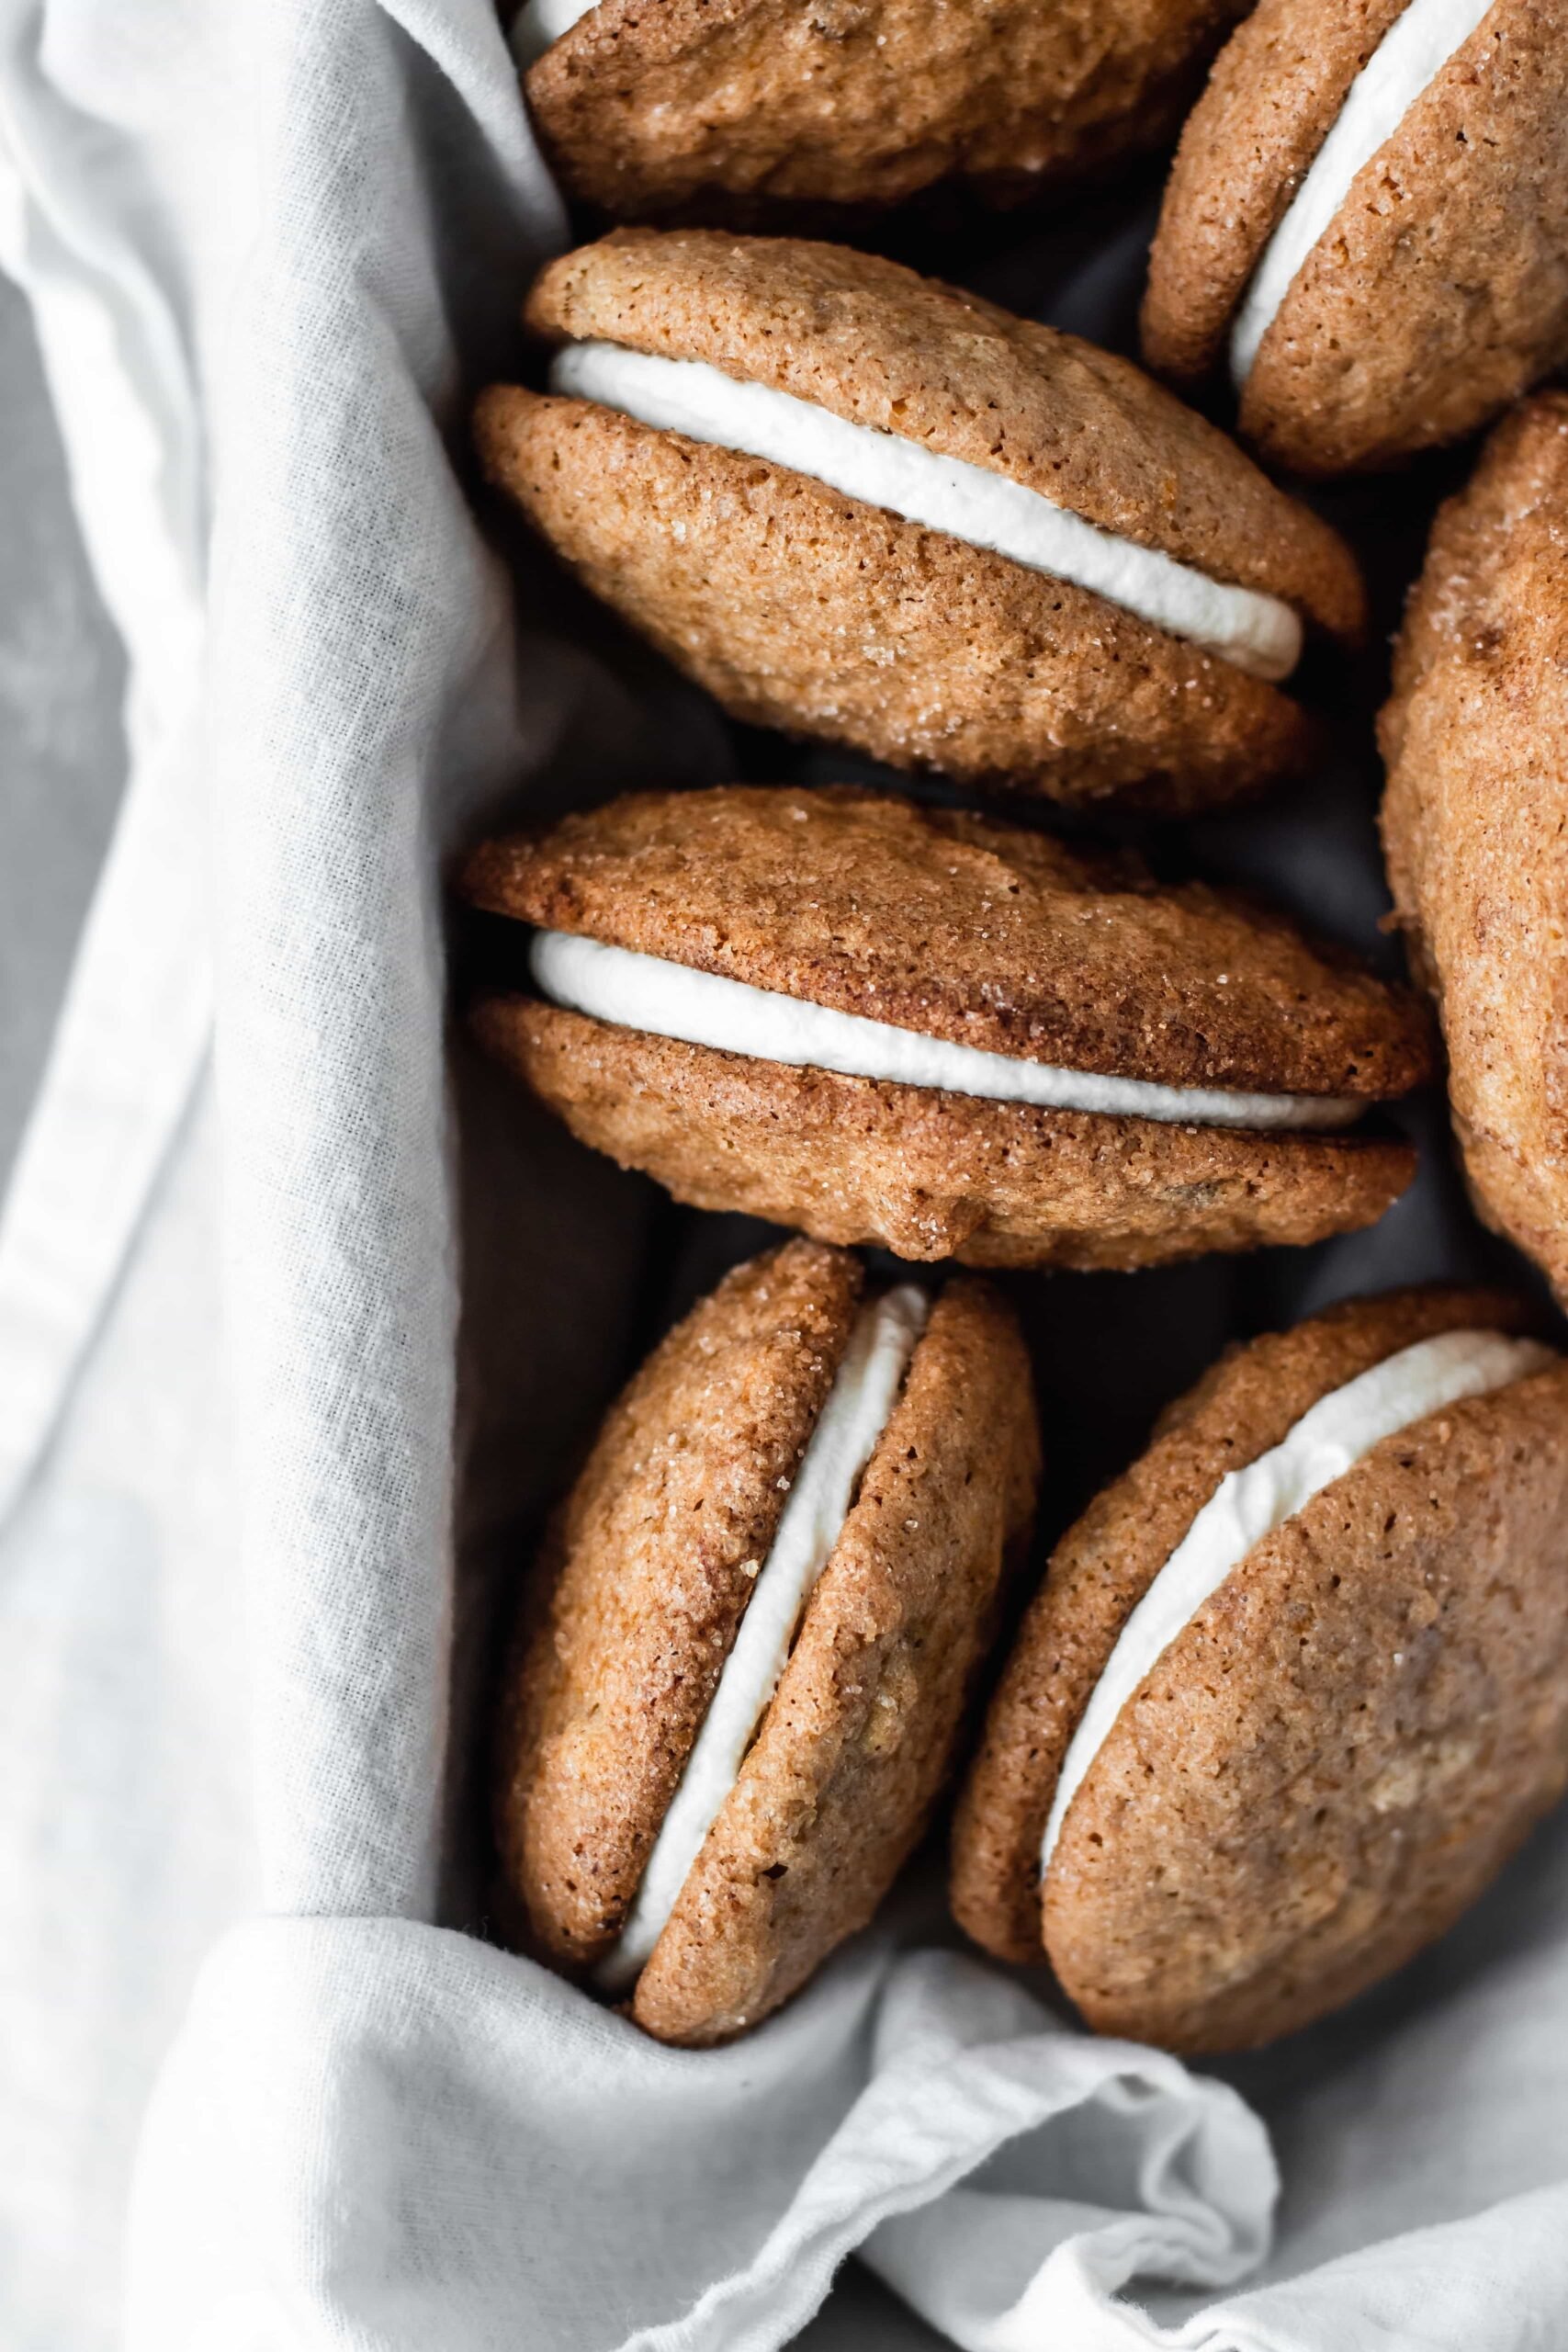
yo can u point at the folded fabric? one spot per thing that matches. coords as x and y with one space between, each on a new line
375 2130
486 2143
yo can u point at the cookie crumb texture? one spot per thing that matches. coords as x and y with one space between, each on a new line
965 928
654 1557
802 608
1476 819
1439 292
880 346
1245 1404
1340 1750
932 1175
701 105
1274 93
850 1756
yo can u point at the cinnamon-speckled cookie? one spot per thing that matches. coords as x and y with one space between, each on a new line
1368 215
862 506
1476 819
880 1022
716 106
769 1590
1294 1686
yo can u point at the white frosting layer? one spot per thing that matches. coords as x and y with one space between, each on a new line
857 1410
541 23
1413 51
1250 1504
1255 632
667 1000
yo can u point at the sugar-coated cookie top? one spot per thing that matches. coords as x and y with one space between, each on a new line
968 930
725 103
655 1554
1341 1748
1475 738
1439 289
878 344
1245 1403
1275 92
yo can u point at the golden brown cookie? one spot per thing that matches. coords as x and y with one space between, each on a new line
863 506
707 1880
1267 1774
1476 819
1395 262
725 105
1030 1057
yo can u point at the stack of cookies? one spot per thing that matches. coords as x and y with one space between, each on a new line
1294 1684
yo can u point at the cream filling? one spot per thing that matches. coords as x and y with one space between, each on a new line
857 1410
1257 633
666 999
1339 1431
541 23
1410 55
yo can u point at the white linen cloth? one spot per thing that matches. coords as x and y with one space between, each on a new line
262 246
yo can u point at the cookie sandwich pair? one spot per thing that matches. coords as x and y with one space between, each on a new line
877 1022
1294 1686
1367 222
762 1609
717 106
862 506
1476 819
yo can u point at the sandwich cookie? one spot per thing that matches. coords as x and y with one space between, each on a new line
771 1587
879 1023
862 506
1296 1685
1476 819
718 104
1367 218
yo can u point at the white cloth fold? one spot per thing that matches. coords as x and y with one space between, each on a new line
450 2107
372 2130
74 191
